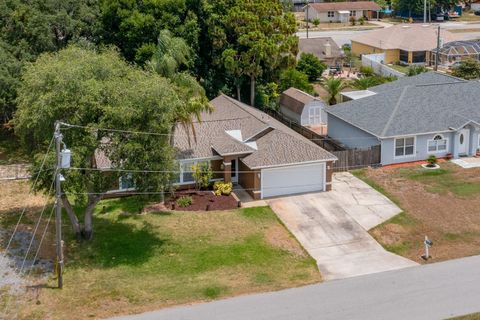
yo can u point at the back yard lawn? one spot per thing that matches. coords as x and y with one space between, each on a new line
142 262
442 204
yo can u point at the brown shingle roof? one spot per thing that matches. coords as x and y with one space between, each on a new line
279 145
316 46
295 99
334 6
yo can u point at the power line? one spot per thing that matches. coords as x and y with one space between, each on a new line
29 192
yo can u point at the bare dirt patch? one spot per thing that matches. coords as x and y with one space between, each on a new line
276 236
444 207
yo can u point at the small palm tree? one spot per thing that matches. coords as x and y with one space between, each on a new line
172 53
333 87
364 83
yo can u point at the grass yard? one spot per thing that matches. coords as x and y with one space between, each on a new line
468 16
442 204
399 68
143 262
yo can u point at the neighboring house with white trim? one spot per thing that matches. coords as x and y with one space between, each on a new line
412 118
341 11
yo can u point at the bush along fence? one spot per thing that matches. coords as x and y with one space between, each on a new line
357 159
323 141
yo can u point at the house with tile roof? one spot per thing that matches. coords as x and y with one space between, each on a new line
404 43
341 11
412 118
248 147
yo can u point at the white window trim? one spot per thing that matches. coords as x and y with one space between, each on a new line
194 161
433 139
405 156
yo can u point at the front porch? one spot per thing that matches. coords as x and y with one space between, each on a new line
466 141
467 162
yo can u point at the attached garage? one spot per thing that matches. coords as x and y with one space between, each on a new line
293 179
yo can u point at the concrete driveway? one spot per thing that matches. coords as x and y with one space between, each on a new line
332 227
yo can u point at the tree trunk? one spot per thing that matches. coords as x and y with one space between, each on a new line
238 93
252 91
73 218
88 223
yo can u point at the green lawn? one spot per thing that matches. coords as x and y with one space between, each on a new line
143 262
400 68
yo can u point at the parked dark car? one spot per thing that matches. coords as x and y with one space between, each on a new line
477 13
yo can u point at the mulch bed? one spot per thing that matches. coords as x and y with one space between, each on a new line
202 199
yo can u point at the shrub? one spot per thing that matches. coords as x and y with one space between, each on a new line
311 66
294 78
432 160
361 20
184 201
353 21
414 70
367 71
202 173
222 188
316 22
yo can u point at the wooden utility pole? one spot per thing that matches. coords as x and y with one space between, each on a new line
438 49
424 11
58 206
308 18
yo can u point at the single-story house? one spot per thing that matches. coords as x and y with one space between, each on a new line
302 108
324 48
412 118
456 51
402 43
246 146
341 11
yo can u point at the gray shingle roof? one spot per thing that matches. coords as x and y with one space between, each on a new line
422 78
230 114
316 46
414 109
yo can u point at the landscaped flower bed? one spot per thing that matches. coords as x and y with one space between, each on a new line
200 201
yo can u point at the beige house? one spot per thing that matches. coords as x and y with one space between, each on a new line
341 11
404 43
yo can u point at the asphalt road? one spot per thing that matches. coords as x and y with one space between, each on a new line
434 291
343 37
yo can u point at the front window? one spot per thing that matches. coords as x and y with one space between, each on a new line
353 13
331 14
126 182
418 56
404 147
437 144
186 171
404 56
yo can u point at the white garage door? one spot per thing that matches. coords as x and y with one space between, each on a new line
293 179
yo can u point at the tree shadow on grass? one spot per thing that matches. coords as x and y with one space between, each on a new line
117 243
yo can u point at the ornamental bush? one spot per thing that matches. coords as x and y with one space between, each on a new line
222 188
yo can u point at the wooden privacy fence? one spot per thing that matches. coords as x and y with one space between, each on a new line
323 141
357 159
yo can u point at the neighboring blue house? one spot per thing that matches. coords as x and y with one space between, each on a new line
412 118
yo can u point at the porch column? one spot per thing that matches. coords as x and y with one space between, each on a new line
475 131
456 138
227 171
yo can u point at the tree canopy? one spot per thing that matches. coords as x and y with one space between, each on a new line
97 89
468 69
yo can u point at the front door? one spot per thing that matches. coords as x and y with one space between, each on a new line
463 141
234 168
